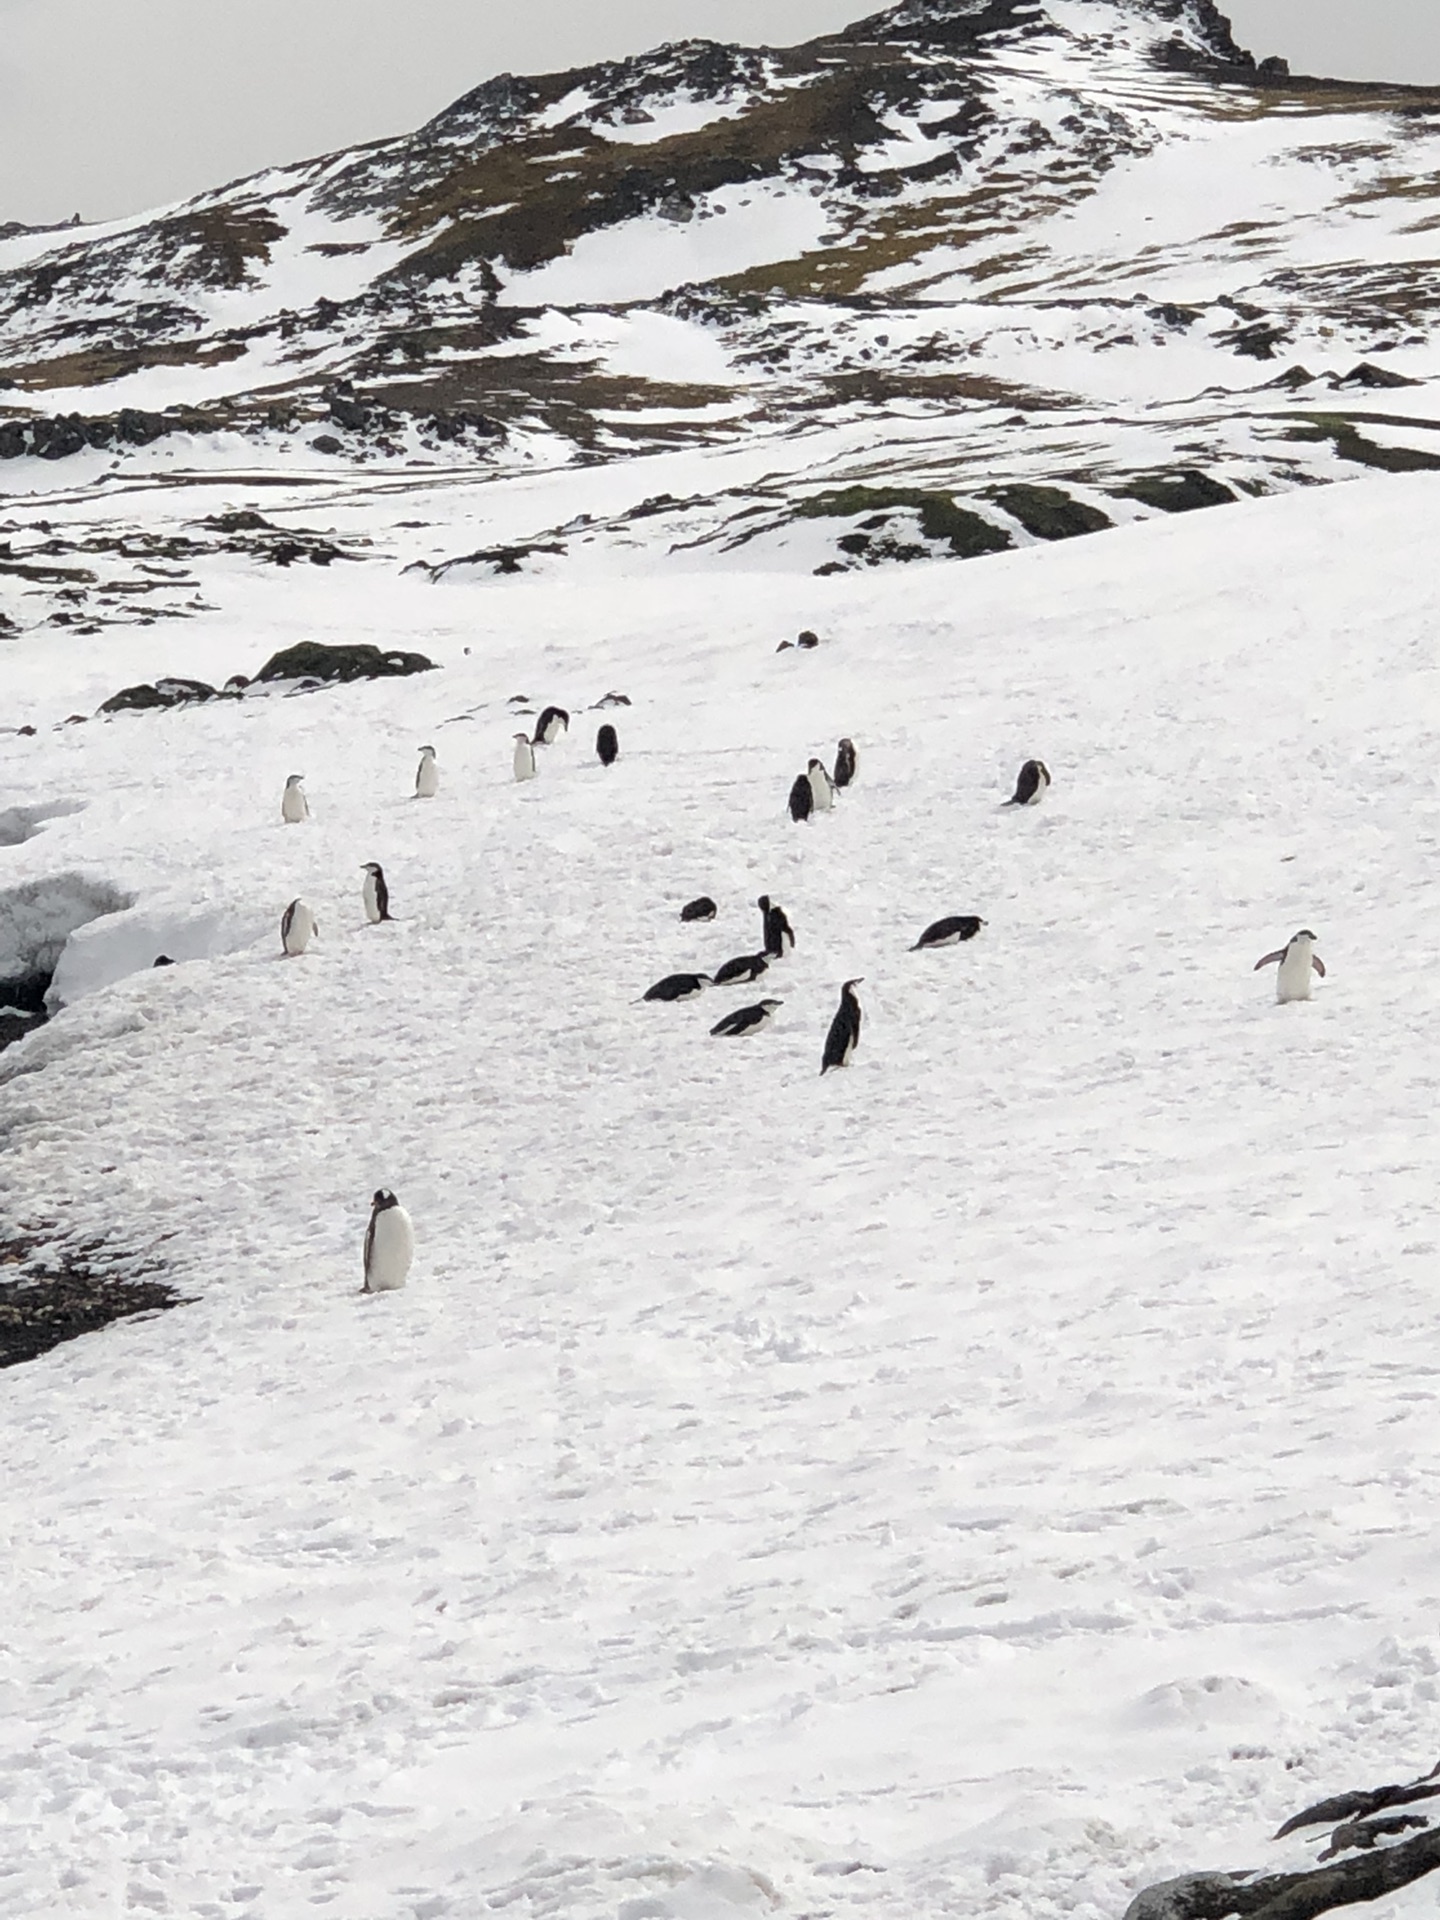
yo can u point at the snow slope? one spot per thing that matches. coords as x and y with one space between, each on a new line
994 1478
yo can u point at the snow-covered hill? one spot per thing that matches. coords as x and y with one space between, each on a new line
990 1479
961 277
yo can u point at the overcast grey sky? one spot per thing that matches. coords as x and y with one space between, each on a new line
111 106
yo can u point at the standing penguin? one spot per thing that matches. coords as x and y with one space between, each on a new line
821 791
847 763
293 804
1031 786
375 893
389 1244
297 927
524 757
844 1034
779 934
427 775
548 728
607 746
802 797
1298 960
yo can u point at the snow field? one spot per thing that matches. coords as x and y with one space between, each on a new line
998 1477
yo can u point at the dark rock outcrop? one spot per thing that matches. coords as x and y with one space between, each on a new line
174 692
310 660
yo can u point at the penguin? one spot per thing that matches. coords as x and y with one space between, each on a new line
162 960
389 1244
802 797
607 746
524 757
806 640
779 934
427 775
701 909
745 1020
1031 786
677 986
297 928
548 728
847 763
293 805
748 967
821 791
949 933
844 1034
375 893
1298 961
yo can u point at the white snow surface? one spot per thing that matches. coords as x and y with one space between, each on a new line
993 1479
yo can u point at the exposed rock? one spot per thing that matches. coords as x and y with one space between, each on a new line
59 1295
1050 513
1183 492
174 692
309 660
1369 375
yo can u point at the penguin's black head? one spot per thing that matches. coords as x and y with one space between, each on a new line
1305 934
763 903
294 779
383 1200
372 866
429 750
770 1005
850 985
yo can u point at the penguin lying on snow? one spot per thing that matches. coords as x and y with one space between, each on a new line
949 933
427 775
749 966
802 798
524 757
847 762
702 909
677 986
779 934
375 893
844 1034
389 1244
607 746
293 804
745 1020
1031 786
1298 959
297 927
552 723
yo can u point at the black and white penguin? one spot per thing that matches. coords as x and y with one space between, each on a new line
844 1034
822 793
375 893
297 927
747 967
745 1020
949 933
802 797
293 804
607 746
427 775
701 909
552 723
1031 786
678 986
389 1244
524 757
847 763
779 934
1298 962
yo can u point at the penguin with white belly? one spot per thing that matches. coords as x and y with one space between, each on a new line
1299 962
389 1244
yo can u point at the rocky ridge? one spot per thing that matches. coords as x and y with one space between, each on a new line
970 272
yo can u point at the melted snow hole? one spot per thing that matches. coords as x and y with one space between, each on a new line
19 824
36 922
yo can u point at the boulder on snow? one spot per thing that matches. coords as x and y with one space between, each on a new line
170 692
311 660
